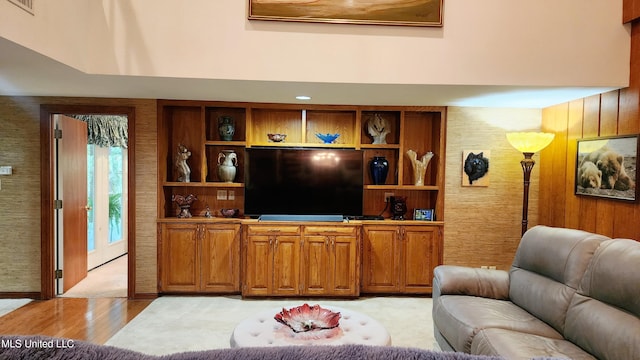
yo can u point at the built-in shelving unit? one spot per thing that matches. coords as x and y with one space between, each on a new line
203 255
195 125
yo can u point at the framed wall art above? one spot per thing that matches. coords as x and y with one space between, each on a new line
607 167
380 12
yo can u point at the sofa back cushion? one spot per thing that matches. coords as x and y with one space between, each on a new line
547 270
604 315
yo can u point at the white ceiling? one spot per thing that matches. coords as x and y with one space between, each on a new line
24 72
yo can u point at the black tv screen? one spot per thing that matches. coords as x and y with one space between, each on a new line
294 181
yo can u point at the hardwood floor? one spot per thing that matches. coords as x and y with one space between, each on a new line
93 320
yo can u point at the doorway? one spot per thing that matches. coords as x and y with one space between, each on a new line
48 183
105 178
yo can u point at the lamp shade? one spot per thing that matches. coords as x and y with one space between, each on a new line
530 142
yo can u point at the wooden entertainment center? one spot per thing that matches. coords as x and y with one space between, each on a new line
282 258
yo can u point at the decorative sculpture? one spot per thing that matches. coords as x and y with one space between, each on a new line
184 202
419 166
378 129
183 172
308 318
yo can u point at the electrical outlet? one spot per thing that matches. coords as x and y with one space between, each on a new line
484 267
387 195
231 195
221 195
492 267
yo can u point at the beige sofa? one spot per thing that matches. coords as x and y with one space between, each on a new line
569 294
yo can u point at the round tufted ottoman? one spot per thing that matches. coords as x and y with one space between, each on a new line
263 330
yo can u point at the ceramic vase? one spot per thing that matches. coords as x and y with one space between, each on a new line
226 128
227 164
379 167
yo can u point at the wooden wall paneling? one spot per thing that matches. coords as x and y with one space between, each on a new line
630 10
574 132
590 128
608 127
552 160
627 214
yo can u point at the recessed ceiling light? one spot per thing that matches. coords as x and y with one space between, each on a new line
303 97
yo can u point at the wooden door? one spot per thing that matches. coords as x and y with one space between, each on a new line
72 181
380 259
286 264
258 265
317 265
344 275
420 257
180 266
220 258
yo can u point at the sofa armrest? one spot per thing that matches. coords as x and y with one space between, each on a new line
459 280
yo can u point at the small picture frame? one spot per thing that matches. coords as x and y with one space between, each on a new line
423 214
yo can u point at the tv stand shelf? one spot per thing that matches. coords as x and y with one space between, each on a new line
195 125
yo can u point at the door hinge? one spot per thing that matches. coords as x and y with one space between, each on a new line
57 134
57 204
58 274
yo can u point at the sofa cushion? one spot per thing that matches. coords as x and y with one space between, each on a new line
514 345
459 318
604 315
547 269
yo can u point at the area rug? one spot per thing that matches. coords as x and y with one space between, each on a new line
8 305
175 324
39 347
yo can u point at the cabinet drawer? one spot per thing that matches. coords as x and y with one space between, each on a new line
330 230
273 230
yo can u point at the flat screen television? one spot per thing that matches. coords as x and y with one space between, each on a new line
303 181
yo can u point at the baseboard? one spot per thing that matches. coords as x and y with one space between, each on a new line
20 295
145 296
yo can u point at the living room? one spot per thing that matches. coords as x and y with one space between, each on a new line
482 224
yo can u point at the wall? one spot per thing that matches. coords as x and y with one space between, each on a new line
601 115
471 234
612 113
20 192
483 224
214 40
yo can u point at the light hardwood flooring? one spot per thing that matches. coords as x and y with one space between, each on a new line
93 320
108 280
93 310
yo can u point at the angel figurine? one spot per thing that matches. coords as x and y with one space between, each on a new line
378 129
183 172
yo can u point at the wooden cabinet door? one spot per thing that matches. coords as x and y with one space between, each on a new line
220 258
381 259
180 261
421 253
345 265
316 264
258 265
286 265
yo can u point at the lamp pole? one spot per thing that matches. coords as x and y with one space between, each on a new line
527 165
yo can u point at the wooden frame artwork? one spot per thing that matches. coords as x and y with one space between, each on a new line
475 167
607 167
386 12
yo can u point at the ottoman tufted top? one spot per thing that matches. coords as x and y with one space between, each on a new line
262 329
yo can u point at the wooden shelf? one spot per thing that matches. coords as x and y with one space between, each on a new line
380 146
226 143
204 184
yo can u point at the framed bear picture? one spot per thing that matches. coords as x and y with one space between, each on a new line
607 167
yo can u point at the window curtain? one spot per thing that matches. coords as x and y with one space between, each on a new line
106 130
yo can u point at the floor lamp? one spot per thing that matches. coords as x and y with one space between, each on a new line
528 143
